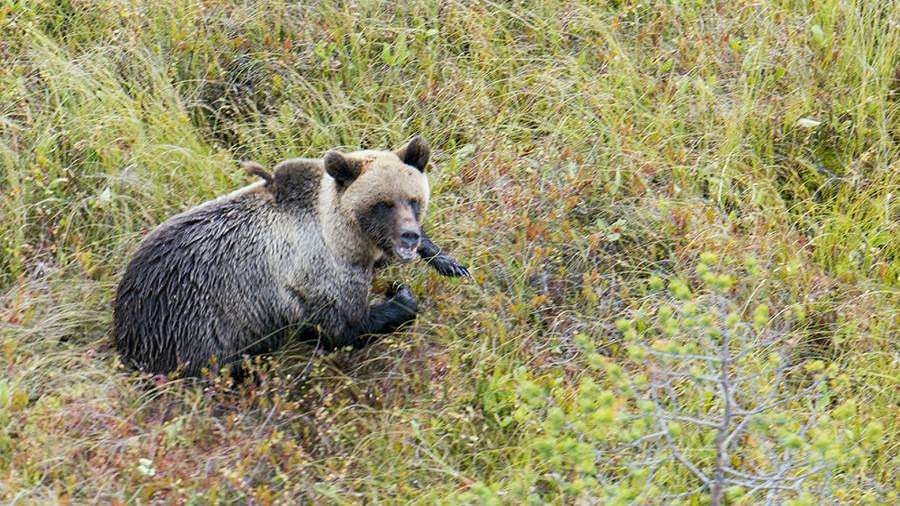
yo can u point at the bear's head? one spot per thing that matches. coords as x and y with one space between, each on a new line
385 193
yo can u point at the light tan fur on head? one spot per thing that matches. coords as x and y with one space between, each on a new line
362 184
384 178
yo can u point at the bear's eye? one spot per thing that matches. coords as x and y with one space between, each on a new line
385 205
415 205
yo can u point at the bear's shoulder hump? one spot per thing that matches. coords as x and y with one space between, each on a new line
297 180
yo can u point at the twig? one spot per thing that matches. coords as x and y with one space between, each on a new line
718 486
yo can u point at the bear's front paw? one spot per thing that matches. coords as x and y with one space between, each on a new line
448 266
403 298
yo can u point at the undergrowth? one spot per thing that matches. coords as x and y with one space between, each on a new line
680 216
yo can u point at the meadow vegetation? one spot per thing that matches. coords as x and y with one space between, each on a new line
680 216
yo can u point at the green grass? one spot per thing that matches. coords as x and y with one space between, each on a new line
579 149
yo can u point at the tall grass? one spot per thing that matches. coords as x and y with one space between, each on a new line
581 151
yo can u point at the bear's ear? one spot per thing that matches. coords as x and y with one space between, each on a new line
415 153
344 170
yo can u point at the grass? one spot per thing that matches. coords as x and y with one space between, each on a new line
585 156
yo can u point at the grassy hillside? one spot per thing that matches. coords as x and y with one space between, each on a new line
681 218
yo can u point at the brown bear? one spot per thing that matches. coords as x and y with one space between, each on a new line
292 255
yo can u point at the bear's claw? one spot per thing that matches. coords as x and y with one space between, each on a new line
448 266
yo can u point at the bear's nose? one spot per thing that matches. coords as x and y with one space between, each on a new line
409 239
